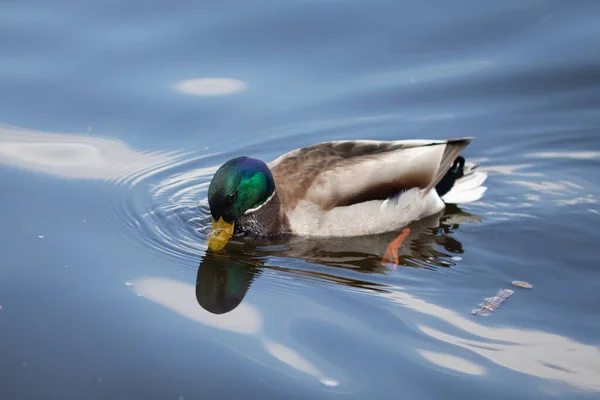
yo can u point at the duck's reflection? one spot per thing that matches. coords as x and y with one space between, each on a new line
224 278
222 282
430 244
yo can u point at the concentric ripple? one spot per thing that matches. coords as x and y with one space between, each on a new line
166 208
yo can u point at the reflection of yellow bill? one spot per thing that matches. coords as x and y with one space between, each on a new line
220 234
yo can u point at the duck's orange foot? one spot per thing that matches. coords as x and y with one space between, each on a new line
391 253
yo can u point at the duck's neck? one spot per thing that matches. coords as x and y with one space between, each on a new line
265 220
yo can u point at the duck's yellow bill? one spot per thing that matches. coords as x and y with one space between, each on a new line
220 234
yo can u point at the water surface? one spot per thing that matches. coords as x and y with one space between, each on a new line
106 287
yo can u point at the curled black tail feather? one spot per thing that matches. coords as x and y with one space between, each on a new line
455 172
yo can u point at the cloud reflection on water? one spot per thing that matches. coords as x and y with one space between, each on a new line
244 319
533 352
542 354
211 86
452 362
79 156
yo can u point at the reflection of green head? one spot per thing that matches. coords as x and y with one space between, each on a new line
222 284
239 185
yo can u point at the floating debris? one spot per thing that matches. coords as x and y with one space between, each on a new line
492 303
40 236
456 258
522 284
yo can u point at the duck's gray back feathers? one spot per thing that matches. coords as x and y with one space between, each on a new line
343 173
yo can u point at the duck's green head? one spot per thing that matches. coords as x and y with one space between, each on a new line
238 186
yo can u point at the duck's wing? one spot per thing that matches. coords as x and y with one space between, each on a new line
341 173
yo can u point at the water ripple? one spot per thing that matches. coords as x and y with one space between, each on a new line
170 213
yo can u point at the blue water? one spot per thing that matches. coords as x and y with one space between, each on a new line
107 290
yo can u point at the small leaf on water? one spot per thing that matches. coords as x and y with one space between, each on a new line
522 284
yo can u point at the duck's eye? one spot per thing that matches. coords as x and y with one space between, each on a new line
231 198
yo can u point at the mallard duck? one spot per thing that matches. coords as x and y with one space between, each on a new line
341 188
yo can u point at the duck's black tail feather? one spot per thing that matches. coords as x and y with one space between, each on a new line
455 172
462 183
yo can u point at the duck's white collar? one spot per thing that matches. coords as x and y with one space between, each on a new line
251 210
